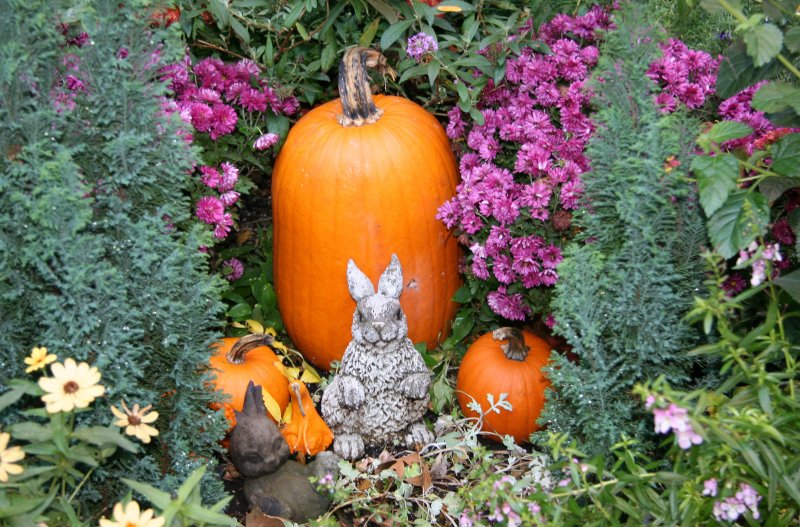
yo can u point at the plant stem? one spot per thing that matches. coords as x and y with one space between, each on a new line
596 486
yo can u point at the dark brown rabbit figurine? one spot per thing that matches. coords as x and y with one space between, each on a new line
274 483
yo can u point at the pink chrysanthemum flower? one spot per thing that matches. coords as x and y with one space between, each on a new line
265 141
210 209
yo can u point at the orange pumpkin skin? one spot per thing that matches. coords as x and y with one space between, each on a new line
362 192
485 369
258 366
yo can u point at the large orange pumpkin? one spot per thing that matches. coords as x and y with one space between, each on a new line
506 361
362 178
239 361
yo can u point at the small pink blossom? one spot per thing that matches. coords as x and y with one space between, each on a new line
210 209
265 141
233 269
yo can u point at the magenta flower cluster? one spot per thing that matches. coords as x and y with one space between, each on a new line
730 508
676 419
211 209
685 75
421 45
521 168
210 94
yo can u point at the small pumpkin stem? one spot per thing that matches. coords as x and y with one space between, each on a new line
358 108
245 344
515 347
299 396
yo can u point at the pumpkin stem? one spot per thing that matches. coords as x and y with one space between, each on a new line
515 347
245 344
358 108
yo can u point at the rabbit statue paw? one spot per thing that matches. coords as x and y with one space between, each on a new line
380 394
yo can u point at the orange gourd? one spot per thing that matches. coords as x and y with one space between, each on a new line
239 361
306 432
505 361
362 178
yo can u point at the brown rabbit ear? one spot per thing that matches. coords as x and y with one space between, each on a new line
253 401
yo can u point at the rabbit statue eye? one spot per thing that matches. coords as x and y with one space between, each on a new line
361 317
399 314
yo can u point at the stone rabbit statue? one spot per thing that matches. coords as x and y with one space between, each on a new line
274 483
380 394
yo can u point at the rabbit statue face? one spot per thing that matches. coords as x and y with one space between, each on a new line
257 446
378 319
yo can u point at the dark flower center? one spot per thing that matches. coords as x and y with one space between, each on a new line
134 420
71 387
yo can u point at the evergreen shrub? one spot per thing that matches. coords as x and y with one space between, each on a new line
99 257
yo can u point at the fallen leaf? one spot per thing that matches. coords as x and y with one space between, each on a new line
243 236
256 518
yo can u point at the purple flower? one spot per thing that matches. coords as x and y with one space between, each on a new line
266 141
420 45
229 198
210 176
676 419
233 269
710 487
510 306
734 506
210 209
223 226
223 120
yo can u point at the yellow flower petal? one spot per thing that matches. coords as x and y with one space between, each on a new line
149 417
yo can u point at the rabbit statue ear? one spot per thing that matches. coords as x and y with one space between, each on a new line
253 401
357 282
391 281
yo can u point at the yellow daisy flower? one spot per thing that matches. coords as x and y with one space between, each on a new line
136 421
39 359
8 455
130 516
71 386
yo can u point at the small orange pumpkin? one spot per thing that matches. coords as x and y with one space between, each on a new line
362 178
508 361
306 432
239 361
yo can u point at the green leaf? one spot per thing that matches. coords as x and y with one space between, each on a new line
463 295
791 284
30 431
10 397
786 156
196 512
387 11
293 15
240 312
191 482
157 497
716 179
744 216
433 71
727 131
462 325
714 7
369 33
773 187
792 39
737 72
101 436
775 96
764 42
240 31
265 294
394 32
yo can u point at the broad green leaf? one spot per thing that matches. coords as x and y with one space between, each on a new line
198 513
387 11
369 33
10 397
728 131
462 325
394 32
463 295
30 431
791 284
786 156
736 71
764 42
240 312
240 31
775 96
716 179
293 15
773 187
792 39
101 435
742 217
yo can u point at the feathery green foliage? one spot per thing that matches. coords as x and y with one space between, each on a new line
625 285
99 258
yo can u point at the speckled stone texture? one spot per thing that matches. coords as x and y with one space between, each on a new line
381 391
